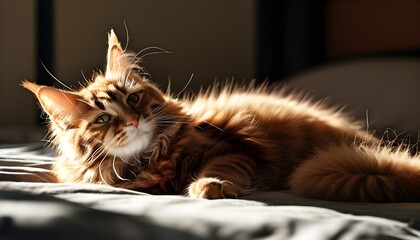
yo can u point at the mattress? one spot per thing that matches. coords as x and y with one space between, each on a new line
33 207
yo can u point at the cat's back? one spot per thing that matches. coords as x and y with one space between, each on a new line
263 105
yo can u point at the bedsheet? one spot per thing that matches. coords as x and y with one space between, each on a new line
31 207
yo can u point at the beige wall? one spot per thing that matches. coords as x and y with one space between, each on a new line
17 62
17 58
208 38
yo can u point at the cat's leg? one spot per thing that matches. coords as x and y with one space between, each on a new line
359 173
227 176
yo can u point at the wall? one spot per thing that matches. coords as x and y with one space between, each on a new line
212 39
17 62
367 27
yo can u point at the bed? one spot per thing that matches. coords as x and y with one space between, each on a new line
32 207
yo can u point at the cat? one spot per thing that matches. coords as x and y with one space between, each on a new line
120 129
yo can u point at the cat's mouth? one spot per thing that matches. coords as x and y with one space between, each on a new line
136 140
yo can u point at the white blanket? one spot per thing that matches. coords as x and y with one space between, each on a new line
31 208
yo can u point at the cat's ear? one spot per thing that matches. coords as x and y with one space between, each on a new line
58 104
117 63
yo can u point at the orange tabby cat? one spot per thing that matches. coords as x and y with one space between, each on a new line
122 131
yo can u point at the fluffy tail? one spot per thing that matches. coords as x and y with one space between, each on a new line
359 173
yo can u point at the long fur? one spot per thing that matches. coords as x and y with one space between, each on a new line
224 142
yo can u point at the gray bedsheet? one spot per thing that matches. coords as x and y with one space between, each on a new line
32 208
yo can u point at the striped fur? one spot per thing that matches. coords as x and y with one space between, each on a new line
120 130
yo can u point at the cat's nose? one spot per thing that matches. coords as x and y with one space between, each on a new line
134 120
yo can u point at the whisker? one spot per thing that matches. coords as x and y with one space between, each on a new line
169 119
149 48
137 160
152 154
158 108
99 168
116 173
145 74
211 124
367 120
186 85
74 106
100 171
172 117
127 36
83 75
151 53
172 122
168 89
127 162
165 130
56 79
96 154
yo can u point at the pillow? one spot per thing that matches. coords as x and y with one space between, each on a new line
384 93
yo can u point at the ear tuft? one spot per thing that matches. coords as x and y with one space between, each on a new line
118 64
112 39
31 86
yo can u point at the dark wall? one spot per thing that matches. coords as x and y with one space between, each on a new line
291 37
295 35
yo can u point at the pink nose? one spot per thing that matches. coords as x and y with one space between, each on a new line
133 121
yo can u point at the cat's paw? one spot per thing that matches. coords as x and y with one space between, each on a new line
212 188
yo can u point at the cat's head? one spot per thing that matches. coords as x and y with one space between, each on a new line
114 114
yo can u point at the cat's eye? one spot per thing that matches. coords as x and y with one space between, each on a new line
104 118
133 99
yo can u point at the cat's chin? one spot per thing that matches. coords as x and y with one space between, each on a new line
138 139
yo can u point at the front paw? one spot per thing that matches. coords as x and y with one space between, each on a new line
212 188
